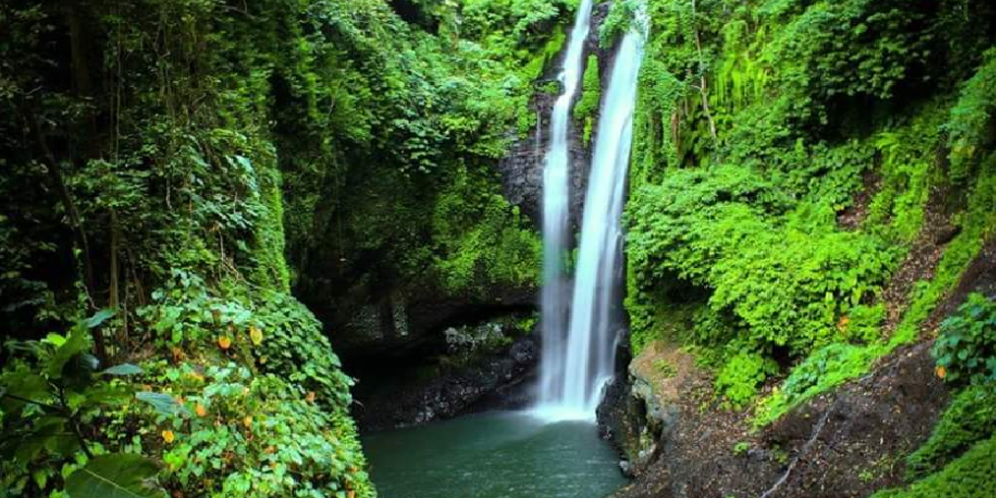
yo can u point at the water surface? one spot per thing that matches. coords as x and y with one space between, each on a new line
493 455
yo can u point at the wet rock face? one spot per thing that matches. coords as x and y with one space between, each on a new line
522 169
400 325
621 421
839 445
448 386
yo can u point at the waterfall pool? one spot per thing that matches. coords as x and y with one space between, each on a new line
493 455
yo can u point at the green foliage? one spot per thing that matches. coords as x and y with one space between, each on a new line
970 125
739 378
294 347
966 347
480 239
863 323
907 154
146 158
824 369
856 46
757 127
47 395
742 76
970 476
977 223
969 418
665 369
741 448
430 111
786 281
617 22
841 363
263 434
115 476
586 107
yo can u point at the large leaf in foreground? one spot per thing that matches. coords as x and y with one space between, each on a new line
164 403
116 476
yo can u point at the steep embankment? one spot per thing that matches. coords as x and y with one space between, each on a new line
812 193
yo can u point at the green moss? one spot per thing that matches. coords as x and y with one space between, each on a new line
973 475
971 118
977 223
481 240
587 106
970 418
824 369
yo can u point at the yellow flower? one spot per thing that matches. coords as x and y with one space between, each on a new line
168 436
247 421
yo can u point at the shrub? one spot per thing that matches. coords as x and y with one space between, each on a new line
786 279
739 378
966 348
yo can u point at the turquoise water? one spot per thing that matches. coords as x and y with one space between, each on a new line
493 455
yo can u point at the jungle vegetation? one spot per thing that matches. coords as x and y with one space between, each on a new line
174 173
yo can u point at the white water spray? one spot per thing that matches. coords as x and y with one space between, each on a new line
574 370
556 199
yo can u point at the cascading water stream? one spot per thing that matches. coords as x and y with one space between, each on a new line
556 199
591 341
573 371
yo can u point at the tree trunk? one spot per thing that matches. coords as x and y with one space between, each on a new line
114 300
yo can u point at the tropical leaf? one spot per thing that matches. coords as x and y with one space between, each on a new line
73 345
98 318
123 369
163 403
119 475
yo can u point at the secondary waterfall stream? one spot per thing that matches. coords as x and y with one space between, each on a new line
579 358
556 201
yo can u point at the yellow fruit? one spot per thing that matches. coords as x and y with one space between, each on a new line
168 437
224 342
942 372
201 411
310 397
247 421
256 335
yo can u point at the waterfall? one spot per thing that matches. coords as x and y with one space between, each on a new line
556 199
575 368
